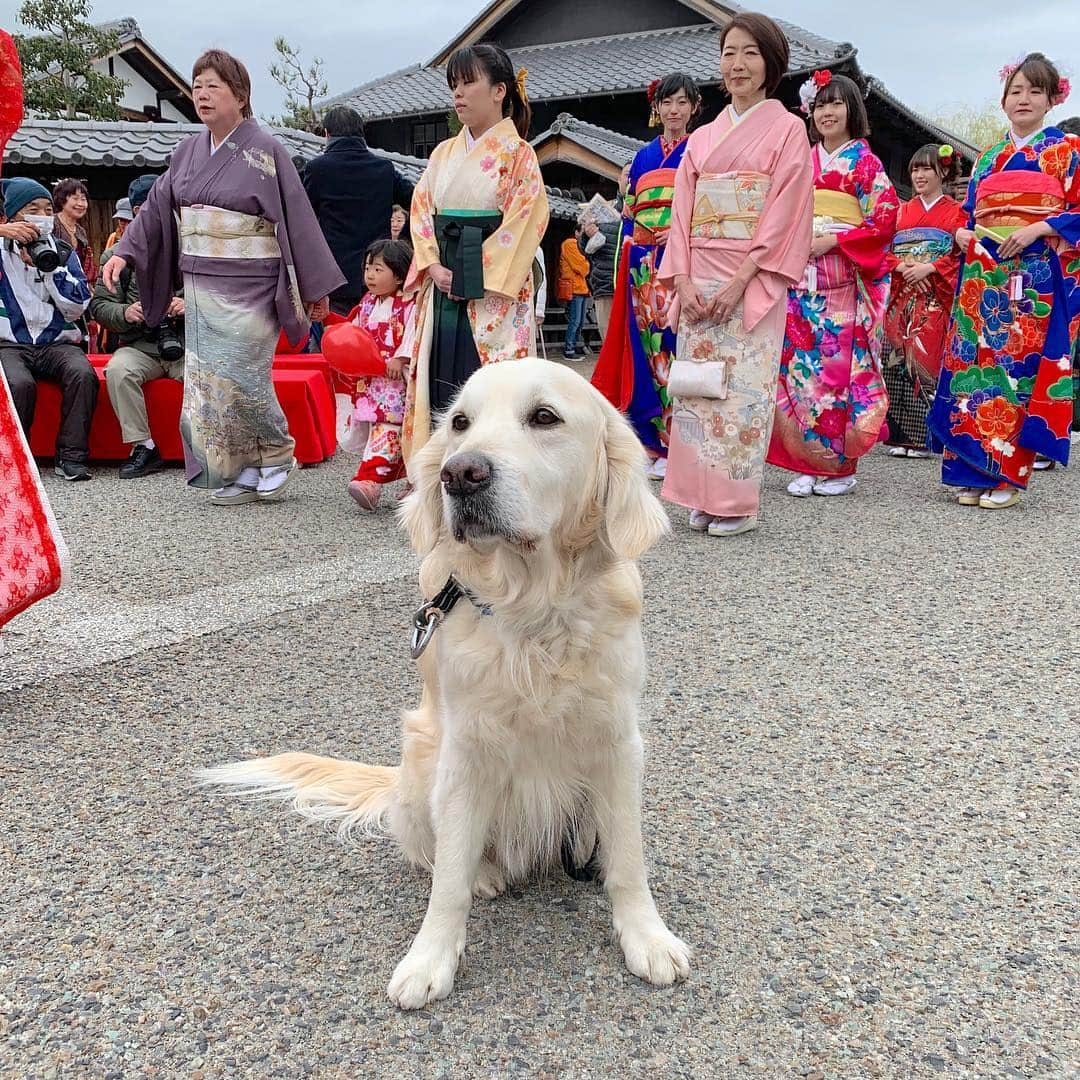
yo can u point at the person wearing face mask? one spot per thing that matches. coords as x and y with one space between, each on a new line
1005 392
831 400
478 213
43 293
925 262
632 368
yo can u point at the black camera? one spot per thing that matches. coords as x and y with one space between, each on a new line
170 345
43 255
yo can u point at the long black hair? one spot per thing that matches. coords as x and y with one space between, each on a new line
491 62
841 88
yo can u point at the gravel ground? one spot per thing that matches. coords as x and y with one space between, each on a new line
859 802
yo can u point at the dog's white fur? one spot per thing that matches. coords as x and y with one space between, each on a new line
527 728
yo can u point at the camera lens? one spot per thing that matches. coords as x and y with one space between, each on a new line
43 256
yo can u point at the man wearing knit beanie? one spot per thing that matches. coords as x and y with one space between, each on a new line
39 338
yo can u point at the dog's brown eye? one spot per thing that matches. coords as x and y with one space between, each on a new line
460 422
544 417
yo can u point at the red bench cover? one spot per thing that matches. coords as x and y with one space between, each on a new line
301 382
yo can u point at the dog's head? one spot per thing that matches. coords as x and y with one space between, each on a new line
531 455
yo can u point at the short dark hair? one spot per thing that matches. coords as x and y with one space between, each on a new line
929 156
397 255
771 40
1040 71
671 84
341 121
491 62
231 72
64 190
841 88
1070 126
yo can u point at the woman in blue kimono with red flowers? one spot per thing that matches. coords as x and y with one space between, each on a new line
632 369
1006 392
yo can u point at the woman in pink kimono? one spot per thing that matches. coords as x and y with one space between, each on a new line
740 237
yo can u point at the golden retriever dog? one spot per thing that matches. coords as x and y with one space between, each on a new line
532 494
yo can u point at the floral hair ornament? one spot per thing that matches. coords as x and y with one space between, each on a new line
811 88
522 75
654 112
946 154
1007 71
1063 91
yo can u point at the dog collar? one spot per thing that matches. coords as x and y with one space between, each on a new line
427 618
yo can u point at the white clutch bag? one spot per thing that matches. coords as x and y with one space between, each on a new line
704 353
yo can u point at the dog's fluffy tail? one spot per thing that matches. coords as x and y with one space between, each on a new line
342 793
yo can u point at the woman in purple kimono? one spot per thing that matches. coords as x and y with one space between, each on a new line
253 261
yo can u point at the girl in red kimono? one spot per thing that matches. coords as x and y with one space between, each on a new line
379 400
925 263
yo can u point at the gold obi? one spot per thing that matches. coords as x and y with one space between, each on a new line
728 206
212 233
835 208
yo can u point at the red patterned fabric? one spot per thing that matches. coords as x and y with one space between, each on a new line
32 552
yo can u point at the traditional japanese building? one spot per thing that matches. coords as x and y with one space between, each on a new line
589 65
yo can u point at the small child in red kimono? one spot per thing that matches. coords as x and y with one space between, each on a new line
379 400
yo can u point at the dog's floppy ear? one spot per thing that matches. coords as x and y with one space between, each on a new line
421 512
633 517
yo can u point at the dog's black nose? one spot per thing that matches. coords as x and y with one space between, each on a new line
466 474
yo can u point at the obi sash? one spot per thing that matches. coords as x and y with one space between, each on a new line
210 232
728 206
650 207
835 208
1007 201
922 245
461 235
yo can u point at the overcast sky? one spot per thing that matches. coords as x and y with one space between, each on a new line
932 56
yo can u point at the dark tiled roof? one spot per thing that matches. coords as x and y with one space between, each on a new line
611 145
620 63
97 144
965 149
127 30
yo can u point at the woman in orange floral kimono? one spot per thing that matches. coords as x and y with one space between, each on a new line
478 215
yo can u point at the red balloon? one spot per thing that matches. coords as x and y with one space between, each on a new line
350 349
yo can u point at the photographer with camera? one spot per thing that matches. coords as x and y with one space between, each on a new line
43 292
145 352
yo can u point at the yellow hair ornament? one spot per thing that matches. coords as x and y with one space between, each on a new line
522 75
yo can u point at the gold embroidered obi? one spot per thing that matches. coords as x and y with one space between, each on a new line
728 206
212 233
835 208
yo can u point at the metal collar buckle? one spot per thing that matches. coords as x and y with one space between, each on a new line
427 618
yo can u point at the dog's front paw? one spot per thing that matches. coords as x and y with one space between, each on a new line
655 954
423 976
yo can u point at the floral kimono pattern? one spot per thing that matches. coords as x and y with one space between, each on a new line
379 400
1005 392
918 315
498 172
632 369
831 402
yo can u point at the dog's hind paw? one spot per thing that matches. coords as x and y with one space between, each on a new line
490 881
656 955
423 976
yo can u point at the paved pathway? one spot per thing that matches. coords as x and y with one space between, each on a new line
860 802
